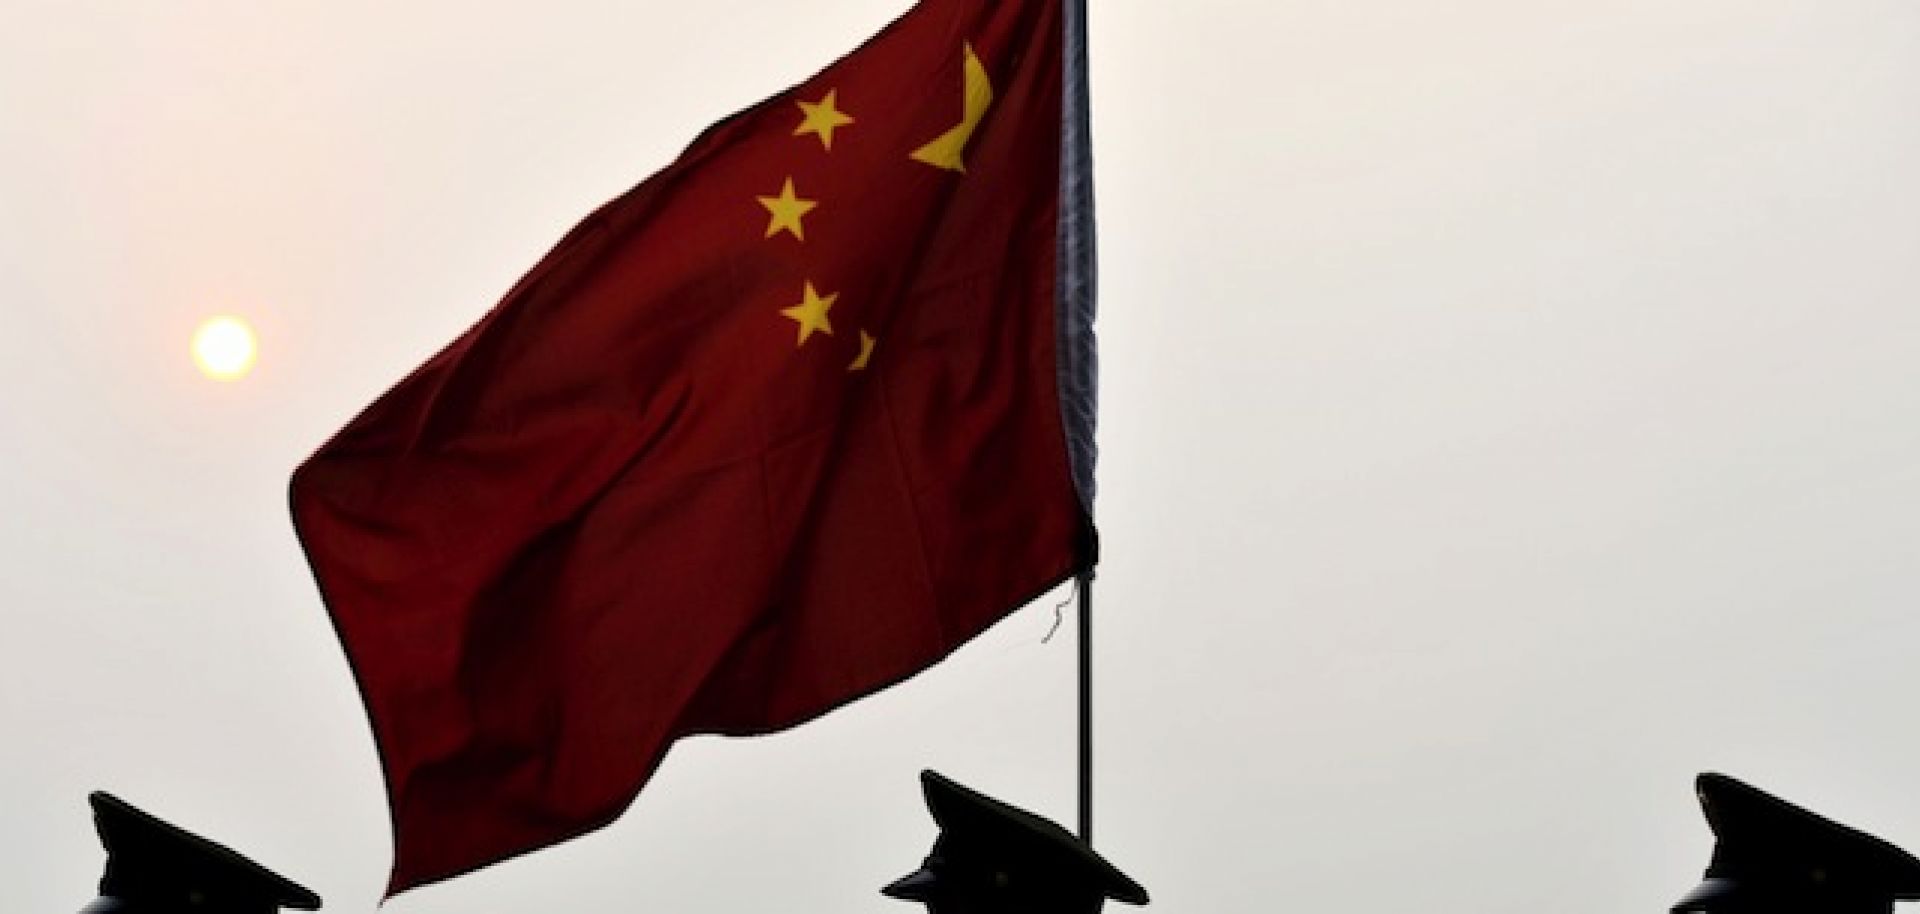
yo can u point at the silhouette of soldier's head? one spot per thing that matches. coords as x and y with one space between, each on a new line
991 858
1772 857
155 868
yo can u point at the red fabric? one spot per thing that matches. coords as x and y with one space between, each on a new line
628 506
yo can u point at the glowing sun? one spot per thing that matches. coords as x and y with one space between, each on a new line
224 348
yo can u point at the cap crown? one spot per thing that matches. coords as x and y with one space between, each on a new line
1766 848
159 868
990 848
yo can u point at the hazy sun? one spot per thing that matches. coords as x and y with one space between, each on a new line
224 349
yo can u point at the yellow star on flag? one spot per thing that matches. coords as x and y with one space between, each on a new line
786 211
976 96
822 118
811 314
866 352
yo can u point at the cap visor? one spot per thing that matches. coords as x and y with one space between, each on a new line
1706 895
915 886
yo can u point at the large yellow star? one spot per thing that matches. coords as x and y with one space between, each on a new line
822 118
866 352
786 211
811 314
976 96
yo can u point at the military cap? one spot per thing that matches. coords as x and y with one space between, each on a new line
990 850
1769 854
156 868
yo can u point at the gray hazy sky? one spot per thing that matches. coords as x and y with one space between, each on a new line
1510 409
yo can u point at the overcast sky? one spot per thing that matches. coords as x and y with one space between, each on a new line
1510 408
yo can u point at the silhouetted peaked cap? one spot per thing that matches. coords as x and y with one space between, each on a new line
154 866
1767 848
987 845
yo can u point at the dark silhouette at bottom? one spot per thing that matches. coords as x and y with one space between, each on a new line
156 868
992 858
1772 857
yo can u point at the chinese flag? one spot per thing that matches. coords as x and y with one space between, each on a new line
779 427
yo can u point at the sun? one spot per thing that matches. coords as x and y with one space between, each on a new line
224 348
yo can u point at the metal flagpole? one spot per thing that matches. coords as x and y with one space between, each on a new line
1077 273
1085 584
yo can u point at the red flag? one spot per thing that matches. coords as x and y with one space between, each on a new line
777 428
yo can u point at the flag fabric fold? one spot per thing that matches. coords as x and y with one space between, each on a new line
777 428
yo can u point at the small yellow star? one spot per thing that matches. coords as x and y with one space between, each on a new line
811 314
786 211
822 118
866 352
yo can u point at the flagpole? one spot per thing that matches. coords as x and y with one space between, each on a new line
1078 275
1085 583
